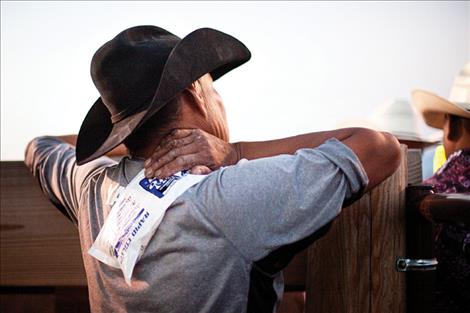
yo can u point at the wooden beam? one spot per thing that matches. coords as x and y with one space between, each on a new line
38 245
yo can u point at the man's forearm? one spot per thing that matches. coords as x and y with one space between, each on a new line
259 149
378 152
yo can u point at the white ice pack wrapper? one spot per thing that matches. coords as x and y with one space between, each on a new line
135 215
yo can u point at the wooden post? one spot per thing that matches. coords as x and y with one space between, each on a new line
388 242
338 265
352 268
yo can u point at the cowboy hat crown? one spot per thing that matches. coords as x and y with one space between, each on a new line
127 70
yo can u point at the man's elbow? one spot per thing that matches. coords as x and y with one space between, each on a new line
29 150
392 152
382 155
387 156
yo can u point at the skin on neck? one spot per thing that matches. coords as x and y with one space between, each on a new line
201 107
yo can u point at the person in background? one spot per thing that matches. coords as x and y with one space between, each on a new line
452 241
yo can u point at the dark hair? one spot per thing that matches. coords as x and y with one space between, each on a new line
158 125
457 124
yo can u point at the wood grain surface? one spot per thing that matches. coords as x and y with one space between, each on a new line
338 267
415 172
38 245
388 242
352 268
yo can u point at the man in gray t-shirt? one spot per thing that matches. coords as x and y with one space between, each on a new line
223 242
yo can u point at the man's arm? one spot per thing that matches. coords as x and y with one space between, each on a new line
72 140
378 152
52 161
268 203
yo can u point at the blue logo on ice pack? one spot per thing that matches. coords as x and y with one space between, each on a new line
159 187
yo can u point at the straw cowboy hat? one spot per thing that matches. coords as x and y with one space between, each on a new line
140 70
433 108
397 117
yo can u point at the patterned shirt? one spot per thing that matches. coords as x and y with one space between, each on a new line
452 241
454 175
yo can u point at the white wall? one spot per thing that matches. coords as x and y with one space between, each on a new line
314 64
468 30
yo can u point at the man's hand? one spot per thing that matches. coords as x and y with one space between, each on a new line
191 149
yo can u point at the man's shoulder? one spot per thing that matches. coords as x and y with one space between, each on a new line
122 171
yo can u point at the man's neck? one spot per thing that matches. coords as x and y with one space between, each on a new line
145 152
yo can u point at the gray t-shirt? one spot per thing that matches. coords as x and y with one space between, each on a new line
200 258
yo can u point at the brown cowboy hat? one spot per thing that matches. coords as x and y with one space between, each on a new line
139 71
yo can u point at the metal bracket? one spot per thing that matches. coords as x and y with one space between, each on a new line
412 265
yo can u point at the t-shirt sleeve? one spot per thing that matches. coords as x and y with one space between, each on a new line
264 204
53 162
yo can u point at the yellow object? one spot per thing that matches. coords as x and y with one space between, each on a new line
439 158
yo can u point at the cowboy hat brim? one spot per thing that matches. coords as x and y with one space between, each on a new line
434 108
203 51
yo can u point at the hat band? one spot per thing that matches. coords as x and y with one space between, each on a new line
130 110
123 114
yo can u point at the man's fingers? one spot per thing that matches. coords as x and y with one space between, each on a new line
167 147
171 156
182 162
174 153
181 150
200 170
177 134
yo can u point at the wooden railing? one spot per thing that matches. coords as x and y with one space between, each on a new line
351 269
